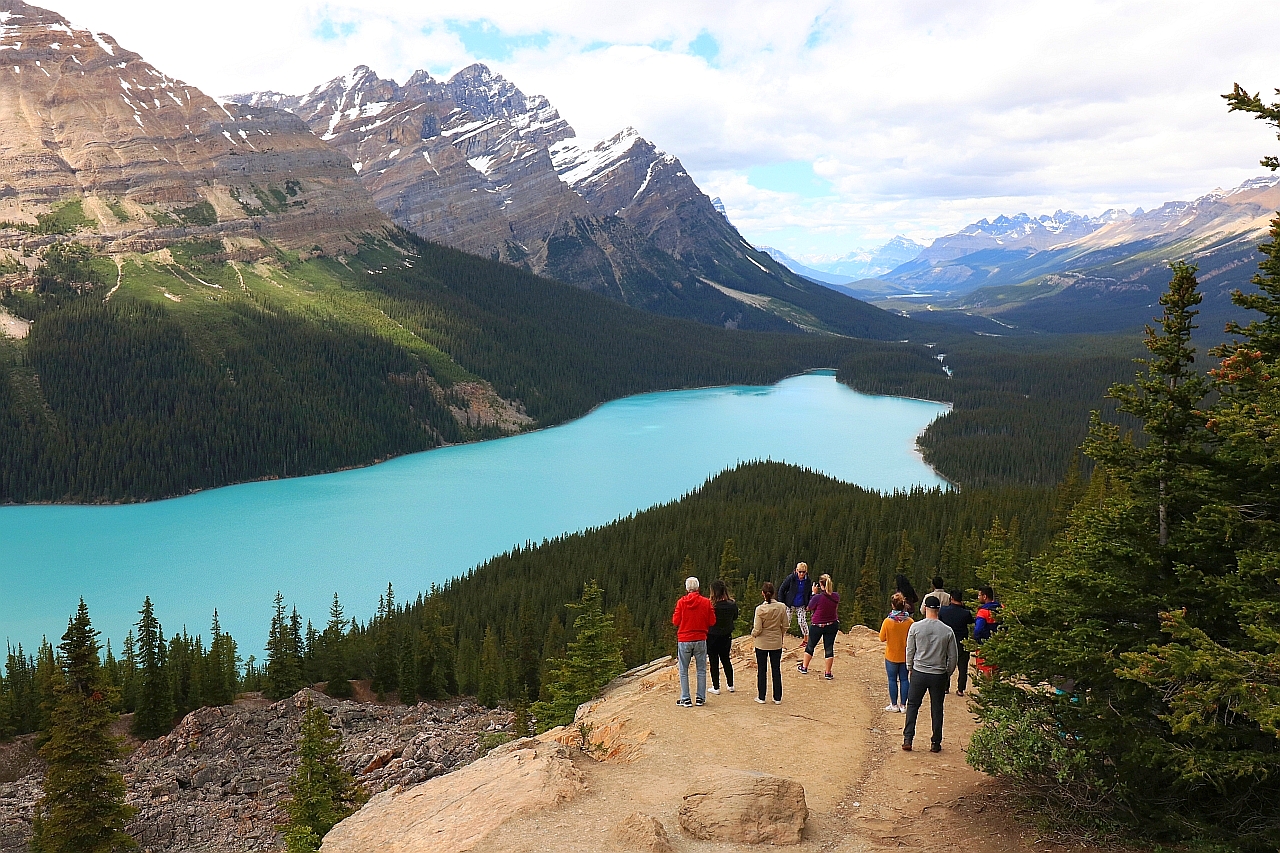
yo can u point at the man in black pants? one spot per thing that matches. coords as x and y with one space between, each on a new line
959 619
931 658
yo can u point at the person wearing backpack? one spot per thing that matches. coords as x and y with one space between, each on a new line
985 622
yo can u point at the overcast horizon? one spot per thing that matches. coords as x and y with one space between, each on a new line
823 126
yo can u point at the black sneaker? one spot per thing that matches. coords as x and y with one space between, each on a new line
937 747
699 701
684 703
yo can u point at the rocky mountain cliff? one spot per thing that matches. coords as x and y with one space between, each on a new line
96 141
475 163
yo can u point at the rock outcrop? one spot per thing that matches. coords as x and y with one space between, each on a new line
458 813
639 831
216 782
94 141
745 807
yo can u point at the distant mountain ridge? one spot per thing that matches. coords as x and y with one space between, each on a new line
474 163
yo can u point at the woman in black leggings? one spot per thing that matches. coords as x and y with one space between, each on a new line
720 635
770 625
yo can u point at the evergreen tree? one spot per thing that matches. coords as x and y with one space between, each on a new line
1153 616
335 666
868 597
153 715
492 689
592 660
407 677
82 809
321 792
747 606
999 563
222 668
730 569
906 564
552 649
283 672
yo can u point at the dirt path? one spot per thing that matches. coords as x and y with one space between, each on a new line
863 792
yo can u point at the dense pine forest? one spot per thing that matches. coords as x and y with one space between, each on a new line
1022 404
138 398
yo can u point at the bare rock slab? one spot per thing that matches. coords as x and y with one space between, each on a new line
639 831
745 807
456 813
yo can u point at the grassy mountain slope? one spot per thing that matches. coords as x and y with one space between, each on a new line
186 368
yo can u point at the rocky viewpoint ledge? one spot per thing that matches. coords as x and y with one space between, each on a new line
215 783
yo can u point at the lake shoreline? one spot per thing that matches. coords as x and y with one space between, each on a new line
384 459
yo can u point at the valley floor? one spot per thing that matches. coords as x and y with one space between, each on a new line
863 792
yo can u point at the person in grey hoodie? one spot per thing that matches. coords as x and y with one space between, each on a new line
932 656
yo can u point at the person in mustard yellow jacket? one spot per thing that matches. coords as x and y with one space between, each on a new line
893 633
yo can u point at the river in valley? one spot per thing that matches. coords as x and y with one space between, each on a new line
424 518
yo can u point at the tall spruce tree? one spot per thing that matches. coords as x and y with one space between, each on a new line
868 597
731 569
82 809
1152 617
335 671
283 673
321 792
153 714
592 660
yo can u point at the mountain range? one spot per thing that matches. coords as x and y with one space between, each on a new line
474 163
194 293
1070 273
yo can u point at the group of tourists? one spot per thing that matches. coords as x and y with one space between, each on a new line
920 656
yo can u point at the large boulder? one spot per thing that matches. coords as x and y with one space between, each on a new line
456 813
745 807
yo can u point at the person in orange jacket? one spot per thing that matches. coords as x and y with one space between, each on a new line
694 615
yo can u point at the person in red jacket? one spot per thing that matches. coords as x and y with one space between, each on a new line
694 615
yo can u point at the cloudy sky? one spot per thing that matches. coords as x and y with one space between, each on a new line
824 125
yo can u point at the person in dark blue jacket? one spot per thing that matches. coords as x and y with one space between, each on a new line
795 592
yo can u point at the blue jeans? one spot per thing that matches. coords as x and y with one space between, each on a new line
897 673
697 651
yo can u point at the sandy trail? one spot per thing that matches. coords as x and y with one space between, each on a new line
863 792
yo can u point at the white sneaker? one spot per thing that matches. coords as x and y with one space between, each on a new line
777 701
715 690
730 688
758 699
902 709
892 709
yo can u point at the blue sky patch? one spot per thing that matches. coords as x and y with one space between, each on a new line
331 30
483 41
706 47
793 176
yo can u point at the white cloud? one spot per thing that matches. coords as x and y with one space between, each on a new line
923 115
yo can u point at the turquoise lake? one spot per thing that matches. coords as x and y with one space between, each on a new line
427 517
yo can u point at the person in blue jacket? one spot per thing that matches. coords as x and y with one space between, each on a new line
794 593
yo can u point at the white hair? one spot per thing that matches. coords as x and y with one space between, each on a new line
691 585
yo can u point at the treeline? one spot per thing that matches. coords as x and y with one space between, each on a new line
133 400
497 632
1021 405
561 350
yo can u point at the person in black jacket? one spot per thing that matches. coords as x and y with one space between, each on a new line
958 618
795 593
720 635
